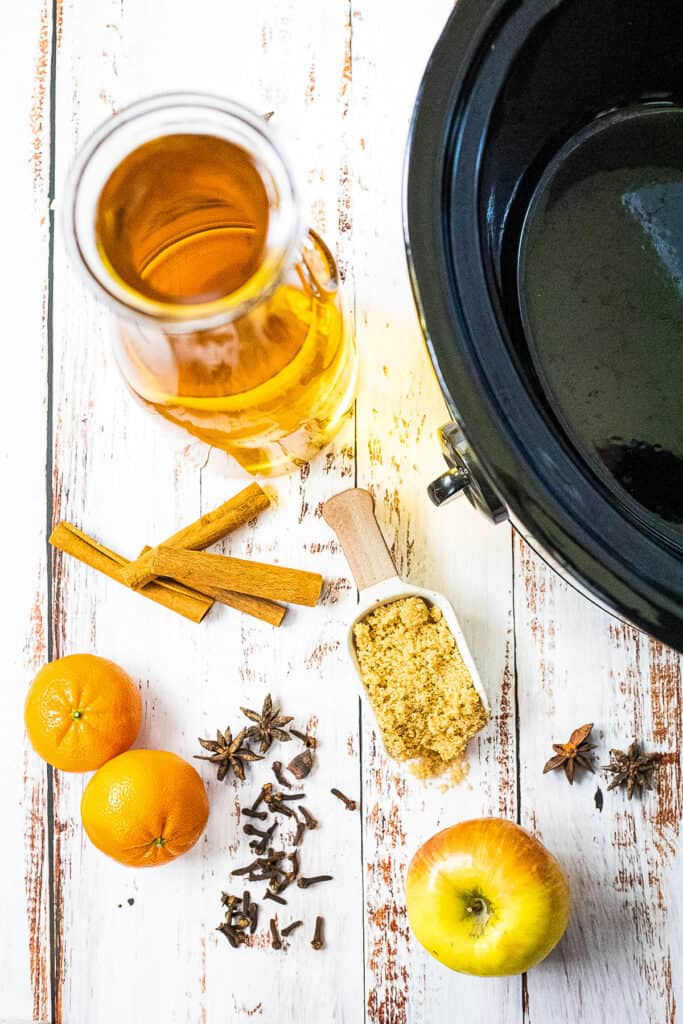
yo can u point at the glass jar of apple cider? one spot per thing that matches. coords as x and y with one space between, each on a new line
184 214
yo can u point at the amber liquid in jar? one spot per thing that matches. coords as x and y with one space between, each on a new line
183 222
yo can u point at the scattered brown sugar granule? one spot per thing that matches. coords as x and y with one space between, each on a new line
457 773
422 692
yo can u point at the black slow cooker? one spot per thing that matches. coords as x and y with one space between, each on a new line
564 391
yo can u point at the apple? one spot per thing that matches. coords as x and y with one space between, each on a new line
485 897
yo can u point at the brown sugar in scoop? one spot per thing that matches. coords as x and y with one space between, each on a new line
409 650
424 699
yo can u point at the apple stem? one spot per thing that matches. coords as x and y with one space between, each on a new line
480 912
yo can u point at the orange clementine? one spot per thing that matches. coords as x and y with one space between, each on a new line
81 711
145 807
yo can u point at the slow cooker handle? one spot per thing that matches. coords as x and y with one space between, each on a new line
448 485
464 475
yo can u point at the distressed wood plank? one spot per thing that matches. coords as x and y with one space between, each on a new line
24 925
130 480
453 550
621 957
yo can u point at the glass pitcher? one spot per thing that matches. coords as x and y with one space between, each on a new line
183 212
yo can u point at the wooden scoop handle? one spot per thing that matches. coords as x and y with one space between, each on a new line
351 515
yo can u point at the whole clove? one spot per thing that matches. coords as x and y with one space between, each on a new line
231 935
277 772
318 940
308 741
249 812
268 895
260 798
294 861
268 871
276 941
261 869
229 902
252 830
278 869
290 928
350 804
264 876
246 869
265 837
310 821
287 877
274 796
306 883
279 808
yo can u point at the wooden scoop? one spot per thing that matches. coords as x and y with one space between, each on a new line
351 515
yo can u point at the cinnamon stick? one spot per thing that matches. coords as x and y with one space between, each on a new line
275 582
205 531
258 607
178 598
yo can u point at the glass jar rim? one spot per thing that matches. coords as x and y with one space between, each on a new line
152 118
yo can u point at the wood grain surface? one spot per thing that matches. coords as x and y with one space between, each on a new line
25 795
86 941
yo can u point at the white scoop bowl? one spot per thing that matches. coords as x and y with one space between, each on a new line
351 514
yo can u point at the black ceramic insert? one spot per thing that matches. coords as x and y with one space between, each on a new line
547 143
600 283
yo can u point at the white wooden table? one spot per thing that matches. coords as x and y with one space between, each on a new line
85 941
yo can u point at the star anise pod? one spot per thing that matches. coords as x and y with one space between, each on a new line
269 724
575 751
228 753
631 768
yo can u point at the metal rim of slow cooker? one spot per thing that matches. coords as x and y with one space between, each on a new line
454 294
